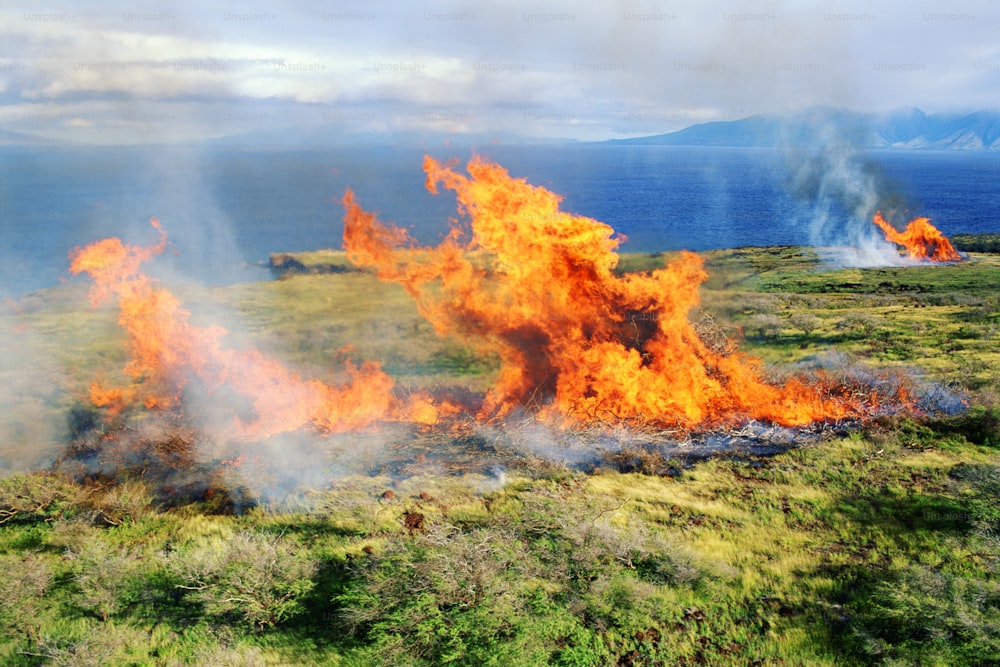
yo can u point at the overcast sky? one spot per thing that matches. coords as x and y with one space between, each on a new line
164 71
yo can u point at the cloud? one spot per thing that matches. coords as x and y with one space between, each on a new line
613 69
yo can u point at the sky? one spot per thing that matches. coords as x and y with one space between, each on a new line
146 71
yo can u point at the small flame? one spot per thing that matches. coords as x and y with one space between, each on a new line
536 286
168 352
921 239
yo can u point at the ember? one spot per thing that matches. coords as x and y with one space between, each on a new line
921 239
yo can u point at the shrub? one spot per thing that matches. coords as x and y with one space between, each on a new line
644 460
537 584
85 646
106 577
980 483
258 578
714 335
123 503
978 425
226 656
922 615
34 497
988 243
766 325
450 597
650 556
71 535
805 322
23 582
861 323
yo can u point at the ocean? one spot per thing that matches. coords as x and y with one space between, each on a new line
226 209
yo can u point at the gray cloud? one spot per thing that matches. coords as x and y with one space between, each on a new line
117 72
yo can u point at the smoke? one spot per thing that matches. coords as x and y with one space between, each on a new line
841 188
524 436
201 409
180 186
51 345
30 381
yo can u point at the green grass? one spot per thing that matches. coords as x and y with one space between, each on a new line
874 546
834 553
941 320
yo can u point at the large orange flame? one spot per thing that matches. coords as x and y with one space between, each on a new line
536 286
168 352
921 239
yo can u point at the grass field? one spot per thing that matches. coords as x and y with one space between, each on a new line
874 544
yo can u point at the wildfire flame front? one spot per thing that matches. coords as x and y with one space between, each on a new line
578 343
167 353
536 286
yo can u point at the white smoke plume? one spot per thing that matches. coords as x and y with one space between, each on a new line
841 189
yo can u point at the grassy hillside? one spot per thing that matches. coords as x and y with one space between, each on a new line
857 545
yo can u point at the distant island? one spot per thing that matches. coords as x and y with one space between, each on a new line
8 138
813 127
908 129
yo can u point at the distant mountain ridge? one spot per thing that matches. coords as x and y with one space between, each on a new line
910 128
815 127
8 138
334 135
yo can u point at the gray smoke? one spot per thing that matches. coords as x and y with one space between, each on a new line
841 189
30 379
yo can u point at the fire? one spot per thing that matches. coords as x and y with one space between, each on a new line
168 353
536 286
523 280
921 239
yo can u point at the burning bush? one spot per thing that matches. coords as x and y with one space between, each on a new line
576 341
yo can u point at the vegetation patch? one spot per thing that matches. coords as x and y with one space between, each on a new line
872 544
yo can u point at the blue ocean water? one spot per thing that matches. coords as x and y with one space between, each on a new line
226 209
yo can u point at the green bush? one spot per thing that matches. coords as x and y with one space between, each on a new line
923 616
449 597
225 656
979 425
38 496
988 243
23 583
258 578
81 644
106 576
519 588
